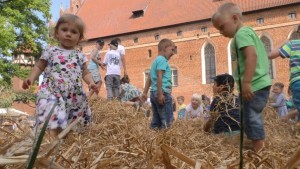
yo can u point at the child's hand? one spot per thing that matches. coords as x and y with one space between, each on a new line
26 83
161 99
144 97
247 93
94 87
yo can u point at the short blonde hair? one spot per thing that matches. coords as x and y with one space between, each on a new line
227 8
66 18
164 43
197 97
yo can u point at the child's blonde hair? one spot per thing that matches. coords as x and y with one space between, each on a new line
197 97
227 8
164 43
65 18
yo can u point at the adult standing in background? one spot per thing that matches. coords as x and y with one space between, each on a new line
121 50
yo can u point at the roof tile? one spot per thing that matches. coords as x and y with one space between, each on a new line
107 18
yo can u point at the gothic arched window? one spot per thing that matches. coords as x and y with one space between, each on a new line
210 62
268 46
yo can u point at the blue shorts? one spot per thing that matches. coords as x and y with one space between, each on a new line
162 114
96 76
296 96
253 120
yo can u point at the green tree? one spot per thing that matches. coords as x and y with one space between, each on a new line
23 25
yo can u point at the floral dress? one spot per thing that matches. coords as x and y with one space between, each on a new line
62 84
129 92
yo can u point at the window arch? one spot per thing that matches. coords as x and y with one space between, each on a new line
146 74
208 63
268 46
229 57
174 76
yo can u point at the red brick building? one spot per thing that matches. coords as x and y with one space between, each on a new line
201 51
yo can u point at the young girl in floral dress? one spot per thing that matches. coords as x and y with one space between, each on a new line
64 68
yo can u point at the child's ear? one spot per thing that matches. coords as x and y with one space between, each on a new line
235 18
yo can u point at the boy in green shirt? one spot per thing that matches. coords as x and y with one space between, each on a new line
248 50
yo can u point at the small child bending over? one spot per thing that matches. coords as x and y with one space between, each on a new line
129 94
63 68
279 100
224 110
194 110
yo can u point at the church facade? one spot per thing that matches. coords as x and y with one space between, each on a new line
202 52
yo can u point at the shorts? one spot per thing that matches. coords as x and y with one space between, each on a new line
96 76
253 119
162 114
296 97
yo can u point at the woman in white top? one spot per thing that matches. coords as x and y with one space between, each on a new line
194 109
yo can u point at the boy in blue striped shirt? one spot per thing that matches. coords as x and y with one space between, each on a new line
291 50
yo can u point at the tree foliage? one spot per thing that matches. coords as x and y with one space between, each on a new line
23 25
9 70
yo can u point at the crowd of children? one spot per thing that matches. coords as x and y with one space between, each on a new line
64 67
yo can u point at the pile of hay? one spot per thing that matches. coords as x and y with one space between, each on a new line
120 137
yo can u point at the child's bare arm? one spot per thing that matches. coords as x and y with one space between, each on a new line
208 125
35 73
87 78
250 66
161 99
124 64
274 54
147 86
93 55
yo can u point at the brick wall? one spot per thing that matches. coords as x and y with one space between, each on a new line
277 27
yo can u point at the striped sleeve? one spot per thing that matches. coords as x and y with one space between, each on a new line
285 50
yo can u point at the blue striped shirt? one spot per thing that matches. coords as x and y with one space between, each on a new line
291 50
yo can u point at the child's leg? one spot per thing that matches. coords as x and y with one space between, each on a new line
253 121
116 86
296 97
156 122
109 86
164 112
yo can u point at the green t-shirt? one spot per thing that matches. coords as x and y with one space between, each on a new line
161 63
244 37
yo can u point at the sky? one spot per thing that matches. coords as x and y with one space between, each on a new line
55 6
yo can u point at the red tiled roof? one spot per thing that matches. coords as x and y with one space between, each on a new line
107 18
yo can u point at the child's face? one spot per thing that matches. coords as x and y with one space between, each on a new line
227 25
276 90
180 101
169 51
68 35
216 88
112 47
195 103
99 47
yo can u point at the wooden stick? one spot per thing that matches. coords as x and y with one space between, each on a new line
182 157
166 160
294 160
